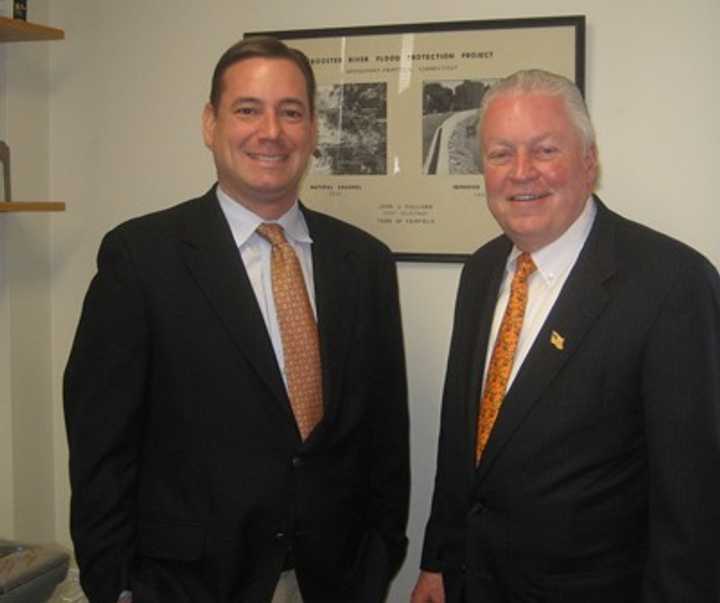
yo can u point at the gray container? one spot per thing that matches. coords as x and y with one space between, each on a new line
30 573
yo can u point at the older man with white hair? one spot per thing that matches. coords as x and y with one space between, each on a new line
580 437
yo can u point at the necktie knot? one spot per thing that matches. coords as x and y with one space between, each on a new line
524 266
273 233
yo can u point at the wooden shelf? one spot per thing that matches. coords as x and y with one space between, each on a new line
16 30
36 206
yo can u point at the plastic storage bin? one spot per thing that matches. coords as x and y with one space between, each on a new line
30 573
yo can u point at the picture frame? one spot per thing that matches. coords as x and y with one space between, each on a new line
396 106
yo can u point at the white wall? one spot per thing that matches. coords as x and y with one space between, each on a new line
7 499
27 498
126 90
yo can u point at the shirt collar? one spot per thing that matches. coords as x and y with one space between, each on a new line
555 259
244 222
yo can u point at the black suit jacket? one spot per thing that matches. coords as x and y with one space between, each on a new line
600 478
189 478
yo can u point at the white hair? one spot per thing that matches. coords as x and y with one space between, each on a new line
538 81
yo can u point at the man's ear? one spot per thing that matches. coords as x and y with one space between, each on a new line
314 125
208 125
591 165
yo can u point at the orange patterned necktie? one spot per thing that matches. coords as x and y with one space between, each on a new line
298 331
504 352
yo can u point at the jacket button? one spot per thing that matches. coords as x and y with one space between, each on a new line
279 536
297 461
480 507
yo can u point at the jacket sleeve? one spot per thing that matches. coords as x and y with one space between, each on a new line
104 386
681 394
389 424
444 544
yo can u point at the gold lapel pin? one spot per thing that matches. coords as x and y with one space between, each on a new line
557 340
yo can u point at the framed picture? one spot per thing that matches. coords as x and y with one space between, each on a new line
396 105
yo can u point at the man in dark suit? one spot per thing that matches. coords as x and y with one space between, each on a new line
192 481
598 481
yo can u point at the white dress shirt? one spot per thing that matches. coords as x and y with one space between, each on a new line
554 262
255 252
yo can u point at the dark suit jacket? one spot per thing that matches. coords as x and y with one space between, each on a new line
601 478
190 482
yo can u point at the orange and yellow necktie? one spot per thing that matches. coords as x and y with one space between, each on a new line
503 353
298 331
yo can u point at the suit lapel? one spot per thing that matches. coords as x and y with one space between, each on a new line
581 301
334 275
214 261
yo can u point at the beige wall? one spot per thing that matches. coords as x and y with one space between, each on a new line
125 92
27 499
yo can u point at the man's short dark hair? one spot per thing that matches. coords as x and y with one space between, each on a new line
263 47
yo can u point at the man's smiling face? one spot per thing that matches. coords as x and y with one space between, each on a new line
538 171
261 134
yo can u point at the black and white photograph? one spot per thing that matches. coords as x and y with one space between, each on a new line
352 130
449 115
